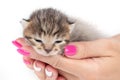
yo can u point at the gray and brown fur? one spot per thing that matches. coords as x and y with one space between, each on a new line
49 30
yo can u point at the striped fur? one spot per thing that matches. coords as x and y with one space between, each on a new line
49 30
49 26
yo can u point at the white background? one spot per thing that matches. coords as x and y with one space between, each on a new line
104 14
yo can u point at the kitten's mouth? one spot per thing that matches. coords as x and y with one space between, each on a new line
51 53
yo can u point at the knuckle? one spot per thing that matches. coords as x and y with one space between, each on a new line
84 50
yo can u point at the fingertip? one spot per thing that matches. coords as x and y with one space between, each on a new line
28 62
70 50
17 44
75 50
37 66
51 72
51 69
22 41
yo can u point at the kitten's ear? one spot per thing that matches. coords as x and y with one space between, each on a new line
71 23
24 22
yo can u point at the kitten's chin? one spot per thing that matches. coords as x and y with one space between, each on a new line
46 54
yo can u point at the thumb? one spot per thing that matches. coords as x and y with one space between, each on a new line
88 49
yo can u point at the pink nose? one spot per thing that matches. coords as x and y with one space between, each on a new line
48 50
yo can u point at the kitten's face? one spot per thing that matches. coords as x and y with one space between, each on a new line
45 43
47 33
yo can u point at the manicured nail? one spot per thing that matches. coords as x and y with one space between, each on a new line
36 68
17 44
23 52
48 73
26 62
70 50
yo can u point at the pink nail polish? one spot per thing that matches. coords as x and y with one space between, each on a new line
17 44
70 50
26 62
23 52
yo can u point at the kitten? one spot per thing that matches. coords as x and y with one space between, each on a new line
49 30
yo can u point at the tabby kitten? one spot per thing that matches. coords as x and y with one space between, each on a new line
49 30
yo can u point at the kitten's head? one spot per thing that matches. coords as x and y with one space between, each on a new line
48 31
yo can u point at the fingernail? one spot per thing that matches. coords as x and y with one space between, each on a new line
70 50
36 68
26 62
23 52
17 44
48 73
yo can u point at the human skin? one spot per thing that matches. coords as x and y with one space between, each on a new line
93 60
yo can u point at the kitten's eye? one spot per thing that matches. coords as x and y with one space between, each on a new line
37 40
58 41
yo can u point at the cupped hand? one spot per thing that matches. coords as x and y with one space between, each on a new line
91 60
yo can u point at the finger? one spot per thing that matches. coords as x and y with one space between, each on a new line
82 50
17 44
22 41
45 73
51 73
28 61
39 69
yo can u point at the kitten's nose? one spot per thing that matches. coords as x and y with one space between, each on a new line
47 50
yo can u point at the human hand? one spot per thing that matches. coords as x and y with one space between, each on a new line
42 70
93 60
